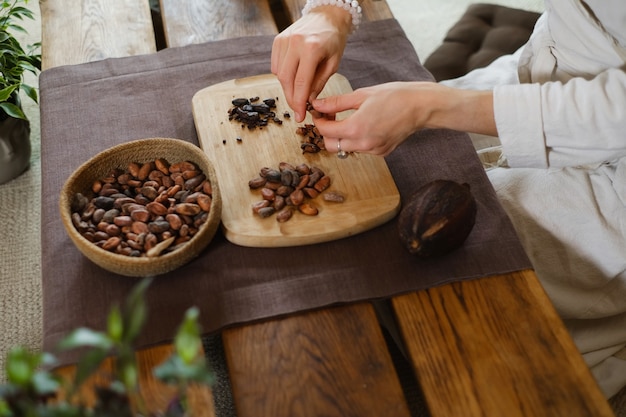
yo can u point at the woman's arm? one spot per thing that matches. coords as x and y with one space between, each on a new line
563 124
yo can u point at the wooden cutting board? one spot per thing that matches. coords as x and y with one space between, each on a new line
371 196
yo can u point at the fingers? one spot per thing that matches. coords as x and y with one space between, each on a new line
302 86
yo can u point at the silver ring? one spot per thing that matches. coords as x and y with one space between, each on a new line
341 154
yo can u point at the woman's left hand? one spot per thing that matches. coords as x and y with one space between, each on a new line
387 114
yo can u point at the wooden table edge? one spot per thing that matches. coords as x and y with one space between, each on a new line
517 359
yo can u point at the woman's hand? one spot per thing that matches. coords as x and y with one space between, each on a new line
387 114
308 52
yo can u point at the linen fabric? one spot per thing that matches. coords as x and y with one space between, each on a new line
90 107
560 107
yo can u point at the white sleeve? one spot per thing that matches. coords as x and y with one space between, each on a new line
555 124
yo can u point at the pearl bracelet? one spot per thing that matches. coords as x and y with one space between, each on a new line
351 6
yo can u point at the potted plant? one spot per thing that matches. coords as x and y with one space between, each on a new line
15 59
34 390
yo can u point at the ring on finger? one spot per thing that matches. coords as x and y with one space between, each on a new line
341 154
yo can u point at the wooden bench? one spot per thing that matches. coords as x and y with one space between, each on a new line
485 369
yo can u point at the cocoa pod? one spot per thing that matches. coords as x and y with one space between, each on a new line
437 218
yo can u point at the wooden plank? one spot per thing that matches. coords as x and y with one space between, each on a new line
332 362
494 347
372 9
74 32
193 22
156 394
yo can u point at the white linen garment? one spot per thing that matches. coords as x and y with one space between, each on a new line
560 109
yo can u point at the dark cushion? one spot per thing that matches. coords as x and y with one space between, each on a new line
484 33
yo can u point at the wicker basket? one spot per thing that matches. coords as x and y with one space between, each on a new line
120 156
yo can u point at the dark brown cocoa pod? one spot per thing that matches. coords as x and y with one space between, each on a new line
437 218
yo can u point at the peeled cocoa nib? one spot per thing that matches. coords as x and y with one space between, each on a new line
437 218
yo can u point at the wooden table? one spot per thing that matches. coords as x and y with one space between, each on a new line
486 347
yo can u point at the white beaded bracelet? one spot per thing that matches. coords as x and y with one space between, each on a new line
351 6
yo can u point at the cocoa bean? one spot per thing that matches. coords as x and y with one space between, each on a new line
259 205
297 197
144 171
189 209
139 228
140 215
284 215
268 194
133 169
322 184
159 226
207 188
105 203
162 165
112 230
282 166
193 182
205 201
174 221
257 182
98 215
310 192
334 197
266 211
110 215
308 209
111 243
284 190
279 202
156 209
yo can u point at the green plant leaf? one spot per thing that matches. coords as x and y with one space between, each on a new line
21 365
175 371
30 92
187 341
115 324
84 337
129 375
135 311
12 110
44 383
6 92
88 364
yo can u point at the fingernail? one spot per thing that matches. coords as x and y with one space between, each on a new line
298 117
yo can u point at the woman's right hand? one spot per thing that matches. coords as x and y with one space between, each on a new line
307 53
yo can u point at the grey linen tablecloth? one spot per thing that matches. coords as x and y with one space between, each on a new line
90 107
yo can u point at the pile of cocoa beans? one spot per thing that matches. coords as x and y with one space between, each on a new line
253 113
313 141
147 209
289 188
